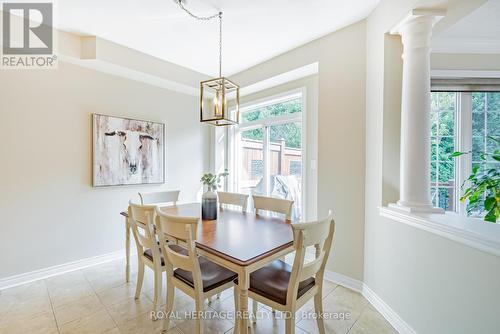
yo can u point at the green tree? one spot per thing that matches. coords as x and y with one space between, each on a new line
290 132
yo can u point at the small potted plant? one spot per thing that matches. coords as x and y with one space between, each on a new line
209 198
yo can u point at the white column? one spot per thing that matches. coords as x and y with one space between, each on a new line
416 32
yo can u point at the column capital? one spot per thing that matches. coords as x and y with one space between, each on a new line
415 15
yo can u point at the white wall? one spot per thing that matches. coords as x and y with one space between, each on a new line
341 132
434 284
50 214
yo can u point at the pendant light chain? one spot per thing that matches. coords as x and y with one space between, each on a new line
200 18
207 18
220 44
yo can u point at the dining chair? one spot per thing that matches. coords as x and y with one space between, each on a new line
226 198
170 196
272 204
148 250
286 288
278 205
194 275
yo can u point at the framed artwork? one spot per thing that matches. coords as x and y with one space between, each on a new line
127 151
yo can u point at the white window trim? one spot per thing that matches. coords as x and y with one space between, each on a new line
472 232
463 144
460 74
234 132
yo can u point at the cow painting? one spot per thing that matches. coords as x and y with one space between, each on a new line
127 151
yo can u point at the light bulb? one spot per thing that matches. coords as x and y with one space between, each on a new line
217 104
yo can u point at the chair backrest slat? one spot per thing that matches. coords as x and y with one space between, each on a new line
278 205
144 240
171 196
141 221
314 232
233 199
175 226
310 269
177 260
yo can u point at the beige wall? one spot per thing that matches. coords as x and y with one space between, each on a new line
434 284
341 144
341 130
50 213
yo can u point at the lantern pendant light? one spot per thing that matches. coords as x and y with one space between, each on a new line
219 97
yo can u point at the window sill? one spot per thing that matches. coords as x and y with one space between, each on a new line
468 231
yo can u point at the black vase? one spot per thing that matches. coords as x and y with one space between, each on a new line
209 206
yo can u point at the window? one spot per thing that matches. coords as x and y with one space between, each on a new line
485 126
286 107
443 115
268 150
461 121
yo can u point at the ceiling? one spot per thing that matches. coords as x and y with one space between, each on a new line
478 32
253 31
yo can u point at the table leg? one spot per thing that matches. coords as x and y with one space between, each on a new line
243 285
127 250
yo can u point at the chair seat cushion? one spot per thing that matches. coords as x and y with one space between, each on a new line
272 281
212 275
176 248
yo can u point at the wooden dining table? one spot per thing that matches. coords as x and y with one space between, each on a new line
239 241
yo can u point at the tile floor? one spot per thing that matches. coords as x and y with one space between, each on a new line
97 300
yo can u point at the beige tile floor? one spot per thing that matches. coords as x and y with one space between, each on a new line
97 300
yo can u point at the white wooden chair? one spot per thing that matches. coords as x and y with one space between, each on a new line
286 288
278 205
226 198
171 196
272 204
148 251
195 276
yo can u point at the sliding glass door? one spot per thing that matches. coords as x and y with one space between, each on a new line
251 160
269 150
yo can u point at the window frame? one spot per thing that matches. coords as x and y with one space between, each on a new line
456 144
463 143
463 139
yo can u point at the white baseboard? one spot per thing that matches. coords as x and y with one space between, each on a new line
12 281
345 281
385 310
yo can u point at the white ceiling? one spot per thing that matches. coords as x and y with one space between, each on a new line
253 31
478 32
